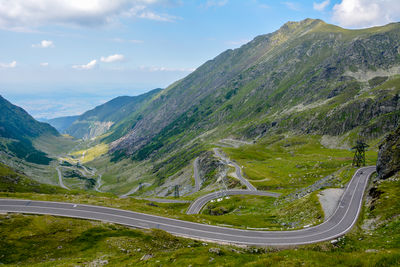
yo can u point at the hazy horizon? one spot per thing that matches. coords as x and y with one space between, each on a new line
65 59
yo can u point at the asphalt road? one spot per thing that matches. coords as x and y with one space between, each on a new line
337 225
199 203
60 180
238 170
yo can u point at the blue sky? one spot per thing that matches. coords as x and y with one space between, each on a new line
62 57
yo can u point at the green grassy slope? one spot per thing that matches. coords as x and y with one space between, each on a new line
12 181
18 129
308 77
68 242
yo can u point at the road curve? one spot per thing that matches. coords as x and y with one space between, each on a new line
337 225
200 202
60 179
238 170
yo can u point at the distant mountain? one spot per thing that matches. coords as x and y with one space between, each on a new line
62 123
99 120
307 77
18 129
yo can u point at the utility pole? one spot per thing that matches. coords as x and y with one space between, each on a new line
359 153
176 193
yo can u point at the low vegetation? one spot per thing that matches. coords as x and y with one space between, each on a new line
65 242
255 212
91 153
286 164
12 181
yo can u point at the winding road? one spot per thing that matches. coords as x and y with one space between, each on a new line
238 170
337 225
60 180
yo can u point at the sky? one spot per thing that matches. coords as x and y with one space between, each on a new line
63 57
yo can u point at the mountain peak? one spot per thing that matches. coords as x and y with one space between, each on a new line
295 26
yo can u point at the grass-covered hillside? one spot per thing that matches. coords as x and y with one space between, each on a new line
12 181
70 242
17 131
306 78
373 241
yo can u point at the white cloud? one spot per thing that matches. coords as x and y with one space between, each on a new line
321 6
215 3
44 64
158 17
88 66
366 13
44 44
8 65
292 5
27 14
112 58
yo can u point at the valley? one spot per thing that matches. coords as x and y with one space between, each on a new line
237 155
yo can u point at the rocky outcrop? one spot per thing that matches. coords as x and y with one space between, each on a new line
209 168
389 155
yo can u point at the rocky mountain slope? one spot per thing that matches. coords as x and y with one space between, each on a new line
18 129
307 77
389 156
99 120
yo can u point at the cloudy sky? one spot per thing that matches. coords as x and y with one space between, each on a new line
62 57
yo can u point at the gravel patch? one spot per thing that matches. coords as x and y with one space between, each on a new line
329 199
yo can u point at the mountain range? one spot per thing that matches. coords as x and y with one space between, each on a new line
17 131
308 77
102 118
279 114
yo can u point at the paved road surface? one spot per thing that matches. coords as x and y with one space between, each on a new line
200 202
337 225
99 183
60 179
237 169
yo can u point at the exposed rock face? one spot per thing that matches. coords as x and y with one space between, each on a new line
208 168
389 155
